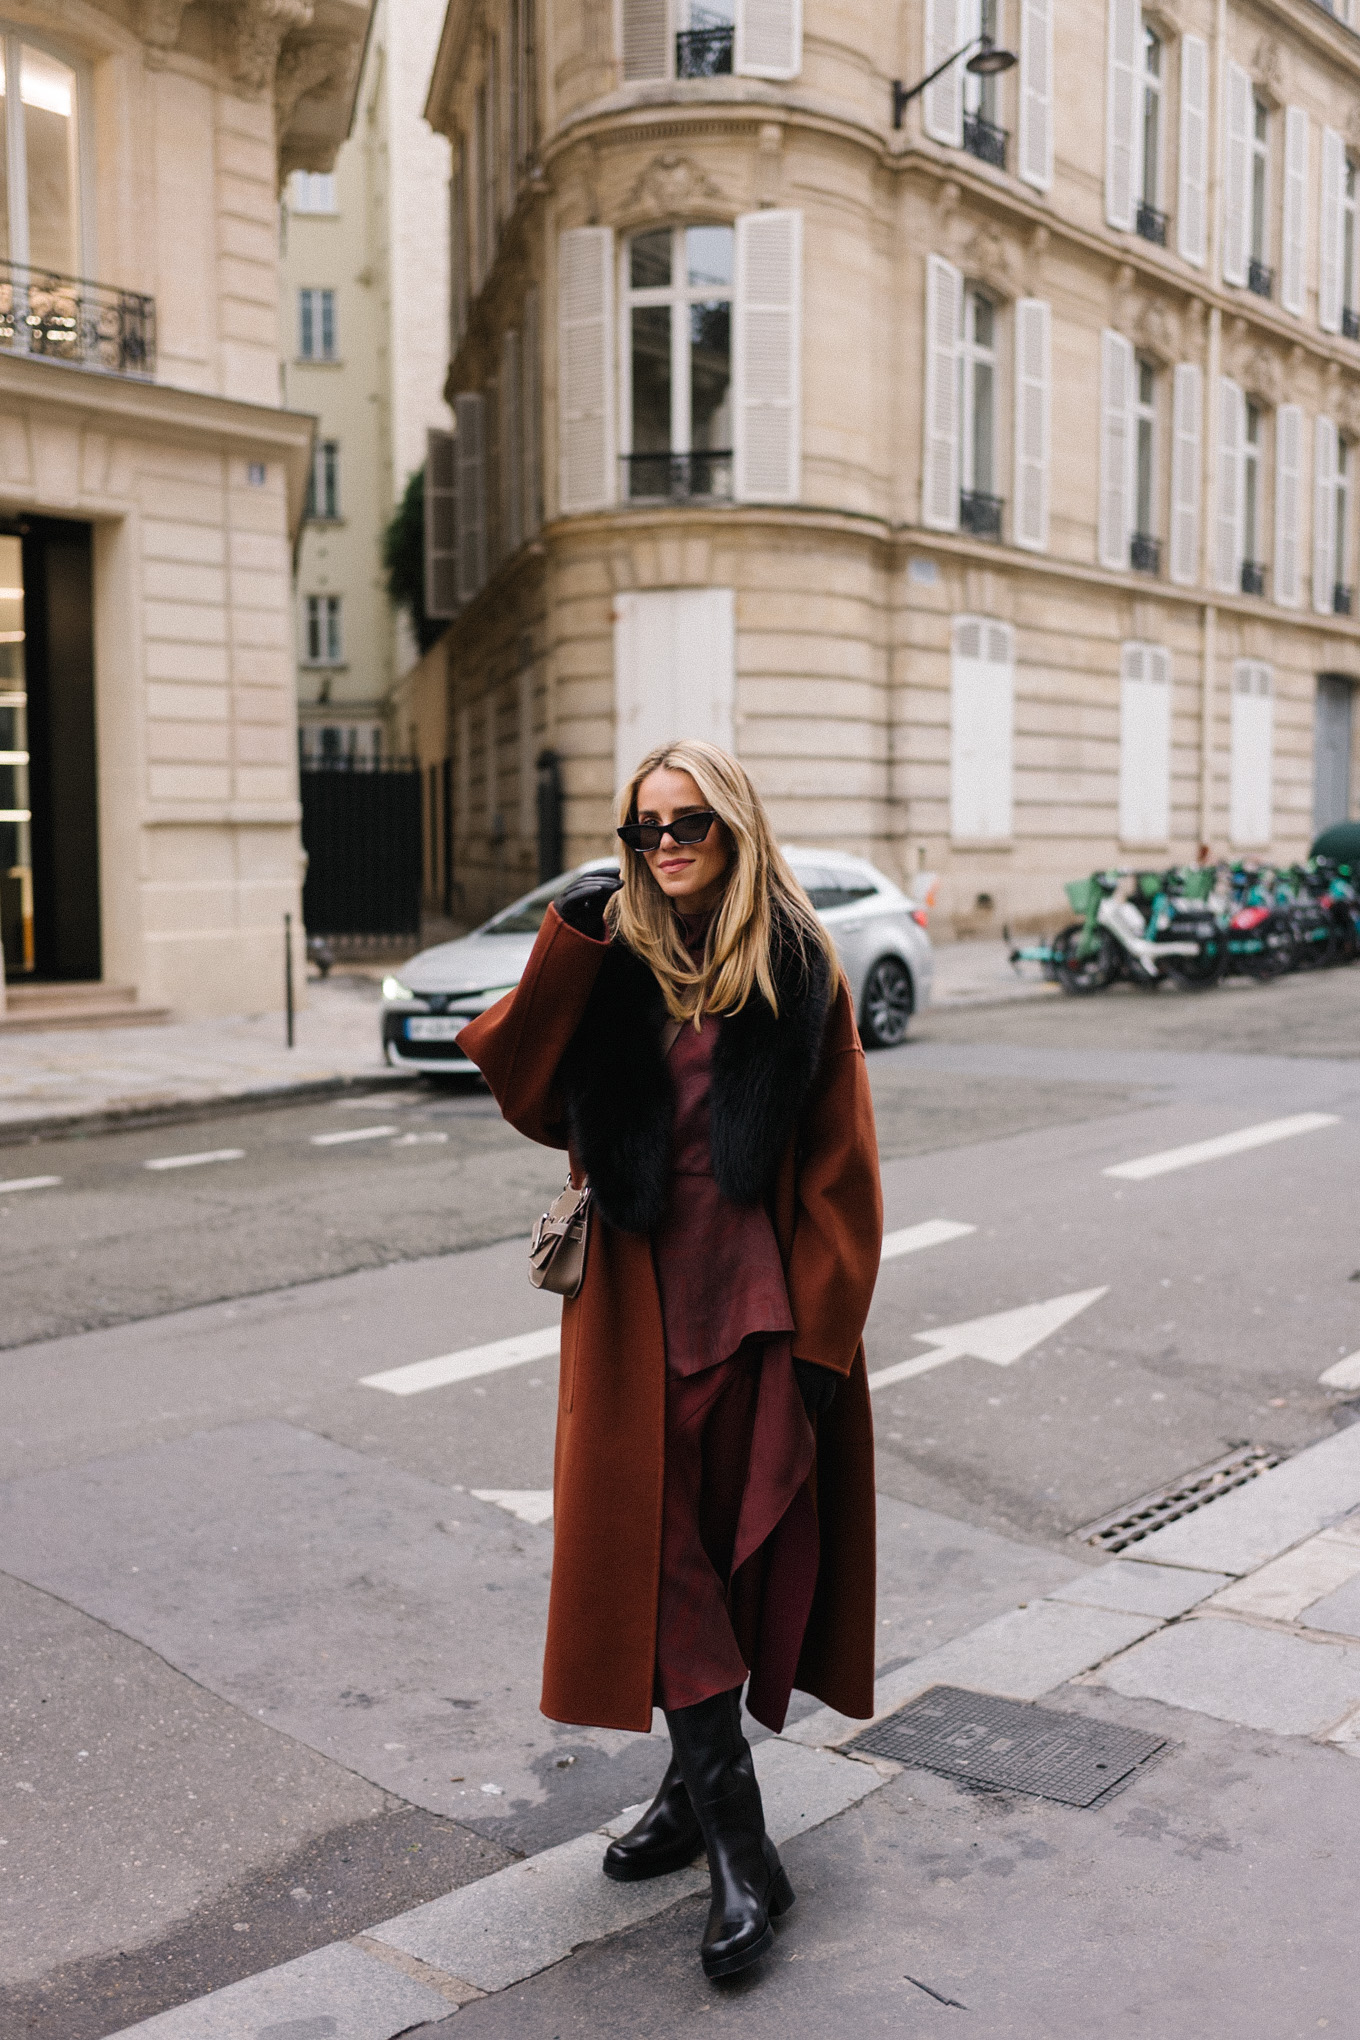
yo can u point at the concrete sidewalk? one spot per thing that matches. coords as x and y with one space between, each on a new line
68 1079
1244 1616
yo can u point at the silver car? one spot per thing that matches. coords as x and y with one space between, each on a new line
880 936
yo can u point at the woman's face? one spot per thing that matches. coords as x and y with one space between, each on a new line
693 875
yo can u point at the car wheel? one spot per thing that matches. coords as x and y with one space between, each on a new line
887 1004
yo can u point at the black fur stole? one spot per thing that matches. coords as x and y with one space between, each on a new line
621 1103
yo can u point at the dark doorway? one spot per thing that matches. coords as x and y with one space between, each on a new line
49 815
1332 751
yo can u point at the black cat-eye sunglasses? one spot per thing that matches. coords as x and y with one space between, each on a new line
685 829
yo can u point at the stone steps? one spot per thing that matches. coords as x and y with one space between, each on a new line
32 1009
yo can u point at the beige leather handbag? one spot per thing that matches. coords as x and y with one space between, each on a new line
557 1251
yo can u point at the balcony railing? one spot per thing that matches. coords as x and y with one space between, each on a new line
704 52
68 318
678 477
1253 578
1260 279
1151 224
1145 553
1350 323
983 140
1341 599
981 514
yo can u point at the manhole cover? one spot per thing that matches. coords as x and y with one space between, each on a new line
1011 1744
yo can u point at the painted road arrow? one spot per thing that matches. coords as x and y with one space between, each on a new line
1002 1339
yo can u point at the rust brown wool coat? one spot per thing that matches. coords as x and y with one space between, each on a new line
574 1059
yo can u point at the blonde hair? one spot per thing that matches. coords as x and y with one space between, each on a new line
764 912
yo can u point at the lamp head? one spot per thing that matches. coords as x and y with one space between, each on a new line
989 61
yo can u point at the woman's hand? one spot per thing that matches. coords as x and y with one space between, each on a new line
817 1386
583 903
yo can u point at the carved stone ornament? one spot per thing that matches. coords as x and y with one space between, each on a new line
310 67
255 30
1348 410
1353 124
673 184
1156 331
159 21
1267 67
988 258
1263 377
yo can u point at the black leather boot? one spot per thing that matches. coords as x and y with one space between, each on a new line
666 1838
750 1887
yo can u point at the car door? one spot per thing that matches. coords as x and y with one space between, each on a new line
855 924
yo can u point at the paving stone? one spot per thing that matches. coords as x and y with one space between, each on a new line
1134 1589
1268 1515
337 1993
1339 1610
1286 1589
1260 1678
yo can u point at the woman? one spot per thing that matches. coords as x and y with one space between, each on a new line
687 1035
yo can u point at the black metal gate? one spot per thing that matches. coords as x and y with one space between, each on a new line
361 831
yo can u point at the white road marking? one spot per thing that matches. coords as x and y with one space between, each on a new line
531 1505
933 1232
1003 1338
1342 1374
1226 1144
473 1360
352 1133
194 1161
29 1183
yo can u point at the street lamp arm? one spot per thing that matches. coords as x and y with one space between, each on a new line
988 59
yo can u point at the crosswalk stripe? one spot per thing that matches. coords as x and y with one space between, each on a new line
29 1183
195 1161
1225 1144
932 1232
351 1133
464 1366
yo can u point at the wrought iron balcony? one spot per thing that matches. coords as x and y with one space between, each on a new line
1260 280
981 514
983 140
1341 599
1151 224
678 477
68 318
704 52
1253 578
1145 553
1350 323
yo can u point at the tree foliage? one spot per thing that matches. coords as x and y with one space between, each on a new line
403 556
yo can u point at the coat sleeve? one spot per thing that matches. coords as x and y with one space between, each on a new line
838 1213
518 1043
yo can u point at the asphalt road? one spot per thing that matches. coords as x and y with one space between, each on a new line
270 1635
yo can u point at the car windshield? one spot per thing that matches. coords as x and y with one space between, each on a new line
525 917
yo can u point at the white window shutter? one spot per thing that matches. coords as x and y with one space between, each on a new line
981 736
646 39
469 466
1033 403
1288 505
1187 429
1144 744
1294 237
1192 198
1324 515
531 405
441 577
1036 93
768 42
585 378
1330 230
940 427
1123 123
1252 760
1116 448
1232 429
942 111
1236 173
767 358
511 449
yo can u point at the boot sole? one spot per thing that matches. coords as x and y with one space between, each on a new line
781 1898
655 1866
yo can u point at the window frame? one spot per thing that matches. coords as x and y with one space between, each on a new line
313 212
982 96
12 36
1153 98
1350 233
323 483
1253 458
1341 485
1145 433
974 355
324 627
1258 159
325 296
679 297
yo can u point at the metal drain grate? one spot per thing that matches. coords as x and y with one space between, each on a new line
1139 1519
1011 1744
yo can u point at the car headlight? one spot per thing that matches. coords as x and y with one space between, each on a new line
393 988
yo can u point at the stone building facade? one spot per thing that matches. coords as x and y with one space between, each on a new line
150 488
987 480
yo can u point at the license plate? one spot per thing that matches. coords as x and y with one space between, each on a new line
418 1029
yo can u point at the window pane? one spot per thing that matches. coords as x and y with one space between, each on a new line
708 255
710 377
649 260
305 327
982 320
328 325
984 406
651 378
49 96
1143 516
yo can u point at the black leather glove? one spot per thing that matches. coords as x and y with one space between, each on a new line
582 905
817 1386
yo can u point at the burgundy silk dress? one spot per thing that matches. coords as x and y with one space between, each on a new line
739 1545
